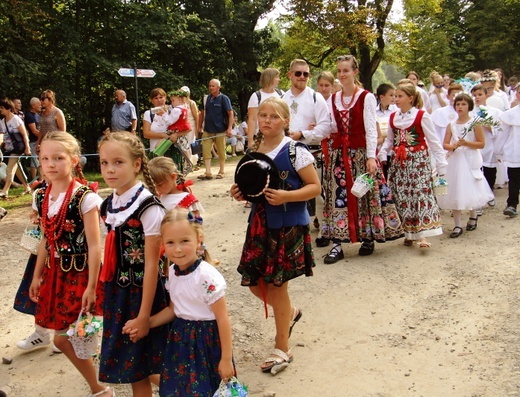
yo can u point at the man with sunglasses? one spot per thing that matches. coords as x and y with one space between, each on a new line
310 120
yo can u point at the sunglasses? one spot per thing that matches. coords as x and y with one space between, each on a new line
344 57
299 73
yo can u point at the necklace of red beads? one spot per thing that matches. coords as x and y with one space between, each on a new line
55 225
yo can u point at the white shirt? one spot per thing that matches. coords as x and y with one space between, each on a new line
507 143
90 201
369 118
434 100
303 156
306 111
488 151
254 103
151 218
441 118
194 293
159 124
171 201
405 120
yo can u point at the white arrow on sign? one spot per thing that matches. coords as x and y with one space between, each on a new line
124 72
145 73
127 72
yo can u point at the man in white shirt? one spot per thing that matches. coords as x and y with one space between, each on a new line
310 119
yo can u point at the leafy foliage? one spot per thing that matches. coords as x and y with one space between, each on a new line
75 48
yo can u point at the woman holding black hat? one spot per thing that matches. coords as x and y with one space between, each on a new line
278 177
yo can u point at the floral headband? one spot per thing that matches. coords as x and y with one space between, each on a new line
489 76
179 93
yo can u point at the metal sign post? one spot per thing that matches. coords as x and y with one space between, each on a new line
135 73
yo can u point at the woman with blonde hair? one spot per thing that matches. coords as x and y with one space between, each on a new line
269 80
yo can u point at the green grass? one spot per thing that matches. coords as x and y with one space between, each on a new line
17 200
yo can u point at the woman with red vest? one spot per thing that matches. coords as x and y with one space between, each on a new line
350 152
412 136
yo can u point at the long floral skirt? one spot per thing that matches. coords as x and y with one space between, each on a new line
123 361
191 359
412 184
274 255
377 217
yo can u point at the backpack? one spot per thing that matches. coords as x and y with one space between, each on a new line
278 91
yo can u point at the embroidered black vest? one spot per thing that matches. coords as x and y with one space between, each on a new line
72 245
129 240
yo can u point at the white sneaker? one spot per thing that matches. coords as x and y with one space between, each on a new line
34 341
491 203
480 211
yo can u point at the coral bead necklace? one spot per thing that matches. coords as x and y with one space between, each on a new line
54 226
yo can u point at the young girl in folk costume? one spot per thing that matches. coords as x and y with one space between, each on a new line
171 187
385 107
467 188
67 267
411 134
347 218
198 353
278 242
134 288
23 303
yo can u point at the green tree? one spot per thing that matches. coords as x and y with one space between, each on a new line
357 27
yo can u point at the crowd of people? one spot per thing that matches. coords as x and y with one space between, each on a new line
165 318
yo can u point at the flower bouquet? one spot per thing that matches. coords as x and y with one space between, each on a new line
440 186
482 118
83 335
31 238
231 388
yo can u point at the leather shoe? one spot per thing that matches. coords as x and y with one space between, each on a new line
367 248
322 241
457 231
333 256
471 226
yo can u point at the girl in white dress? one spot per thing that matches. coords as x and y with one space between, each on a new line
467 187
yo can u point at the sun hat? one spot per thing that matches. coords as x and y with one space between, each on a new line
255 172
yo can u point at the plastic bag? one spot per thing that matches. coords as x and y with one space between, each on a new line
233 388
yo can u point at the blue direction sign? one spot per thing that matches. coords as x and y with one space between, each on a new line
128 72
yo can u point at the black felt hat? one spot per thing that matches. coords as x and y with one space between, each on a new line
255 172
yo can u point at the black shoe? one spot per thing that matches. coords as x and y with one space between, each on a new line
335 254
471 226
456 232
367 248
322 241
316 223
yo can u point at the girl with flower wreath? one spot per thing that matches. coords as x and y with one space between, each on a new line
67 266
134 287
198 352
412 137
352 152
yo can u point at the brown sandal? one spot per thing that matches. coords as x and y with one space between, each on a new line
220 175
205 177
